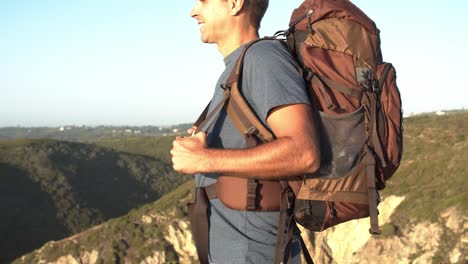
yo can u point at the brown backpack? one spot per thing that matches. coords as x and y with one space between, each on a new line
338 47
355 92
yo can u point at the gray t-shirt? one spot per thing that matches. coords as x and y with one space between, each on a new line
270 79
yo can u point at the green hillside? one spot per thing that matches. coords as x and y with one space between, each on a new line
150 146
432 177
53 189
127 239
87 133
433 172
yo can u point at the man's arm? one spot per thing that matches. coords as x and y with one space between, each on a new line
294 152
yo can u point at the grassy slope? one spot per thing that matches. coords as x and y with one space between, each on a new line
73 186
125 238
431 177
150 146
433 171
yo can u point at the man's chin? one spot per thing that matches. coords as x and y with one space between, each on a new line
206 40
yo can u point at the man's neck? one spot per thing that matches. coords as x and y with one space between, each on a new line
229 45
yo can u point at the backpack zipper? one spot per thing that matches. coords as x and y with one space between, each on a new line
306 15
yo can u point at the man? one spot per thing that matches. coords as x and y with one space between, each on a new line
275 90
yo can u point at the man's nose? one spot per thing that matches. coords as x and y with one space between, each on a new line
194 11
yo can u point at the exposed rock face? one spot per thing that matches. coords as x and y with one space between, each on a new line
452 219
351 242
458 224
158 257
90 257
346 243
419 245
336 244
180 236
68 259
86 257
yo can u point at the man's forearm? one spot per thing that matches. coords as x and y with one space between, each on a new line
294 152
280 158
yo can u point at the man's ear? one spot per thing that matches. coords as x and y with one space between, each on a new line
236 6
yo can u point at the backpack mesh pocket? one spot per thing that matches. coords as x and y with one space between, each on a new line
342 139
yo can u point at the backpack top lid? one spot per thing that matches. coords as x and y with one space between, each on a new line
324 9
339 25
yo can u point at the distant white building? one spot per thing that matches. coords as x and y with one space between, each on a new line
408 114
61 129
440 113
175 130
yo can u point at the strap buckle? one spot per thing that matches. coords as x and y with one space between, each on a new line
253 131
251 195
225 87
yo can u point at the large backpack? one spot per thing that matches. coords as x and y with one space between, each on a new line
338 49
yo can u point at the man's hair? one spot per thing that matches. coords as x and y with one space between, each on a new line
256 9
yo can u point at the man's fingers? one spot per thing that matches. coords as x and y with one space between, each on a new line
191 130
201 134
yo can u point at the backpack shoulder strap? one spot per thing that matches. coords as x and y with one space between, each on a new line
206 117
240 112
249 125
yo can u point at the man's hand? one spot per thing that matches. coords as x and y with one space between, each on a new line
191 130
188 153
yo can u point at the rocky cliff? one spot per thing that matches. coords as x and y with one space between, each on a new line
346 243
417 243
423 215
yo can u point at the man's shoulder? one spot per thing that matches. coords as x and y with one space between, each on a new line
267 50
268 44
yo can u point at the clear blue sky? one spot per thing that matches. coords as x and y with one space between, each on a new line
141 62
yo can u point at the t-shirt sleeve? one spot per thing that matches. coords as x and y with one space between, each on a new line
271 78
